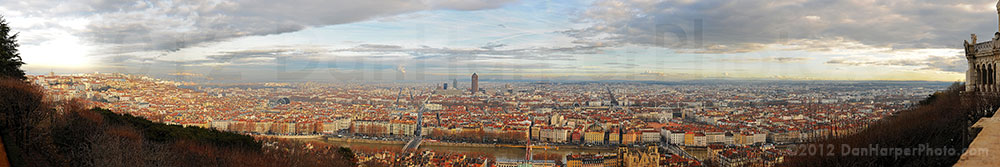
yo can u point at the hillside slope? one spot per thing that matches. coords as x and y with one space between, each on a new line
39 133
909 138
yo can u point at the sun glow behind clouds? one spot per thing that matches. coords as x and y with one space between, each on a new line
51 43
61 52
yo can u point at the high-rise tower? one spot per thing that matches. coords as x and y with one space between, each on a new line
475 83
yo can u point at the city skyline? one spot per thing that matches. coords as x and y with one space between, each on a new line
499 83
530 40
503 121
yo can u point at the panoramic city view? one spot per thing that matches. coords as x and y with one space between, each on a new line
499 83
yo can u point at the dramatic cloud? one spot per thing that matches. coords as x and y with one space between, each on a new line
409 39
935 63
169 25
491 53
767 59
375 56
720 26
950 64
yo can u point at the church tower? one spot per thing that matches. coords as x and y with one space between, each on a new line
983 58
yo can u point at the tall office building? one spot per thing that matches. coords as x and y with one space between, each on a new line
454 83
509 89
475 83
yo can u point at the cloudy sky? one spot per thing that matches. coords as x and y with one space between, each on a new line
329 40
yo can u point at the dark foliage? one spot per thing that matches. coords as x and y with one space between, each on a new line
10 60
21 115
37 133
940 121
161 132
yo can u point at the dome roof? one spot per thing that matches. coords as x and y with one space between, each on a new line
595 127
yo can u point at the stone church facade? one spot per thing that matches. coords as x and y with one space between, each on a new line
983 58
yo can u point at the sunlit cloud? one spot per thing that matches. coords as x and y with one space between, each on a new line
588 40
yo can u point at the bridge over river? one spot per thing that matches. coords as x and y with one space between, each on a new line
413 143
418 138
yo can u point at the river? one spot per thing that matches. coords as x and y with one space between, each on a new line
498 152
